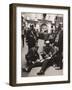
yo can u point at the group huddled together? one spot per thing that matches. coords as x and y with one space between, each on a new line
52 52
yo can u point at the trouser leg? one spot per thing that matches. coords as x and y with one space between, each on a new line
60 64
29 62
46 64
23 40
29 46
58 60
37 64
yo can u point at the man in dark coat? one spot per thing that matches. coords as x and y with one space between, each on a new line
59 43
31 37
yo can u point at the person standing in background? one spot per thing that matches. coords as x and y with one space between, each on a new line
22 29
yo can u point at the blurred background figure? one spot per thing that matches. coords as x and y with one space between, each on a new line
22 28
59 43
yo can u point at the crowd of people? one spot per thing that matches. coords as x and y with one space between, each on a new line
52 53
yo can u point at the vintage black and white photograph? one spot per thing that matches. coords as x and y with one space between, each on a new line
41 44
